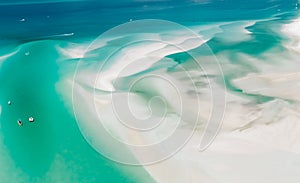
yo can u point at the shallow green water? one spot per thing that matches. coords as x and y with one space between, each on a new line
51 148
41 43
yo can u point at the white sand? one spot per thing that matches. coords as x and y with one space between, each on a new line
257 142
292 30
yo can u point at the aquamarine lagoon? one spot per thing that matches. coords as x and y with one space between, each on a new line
202 91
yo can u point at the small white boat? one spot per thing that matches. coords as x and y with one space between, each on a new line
31 119
20 123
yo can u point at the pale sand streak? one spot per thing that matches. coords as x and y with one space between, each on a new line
258 142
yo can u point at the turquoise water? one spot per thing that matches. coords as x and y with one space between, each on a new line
41 43
52 148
